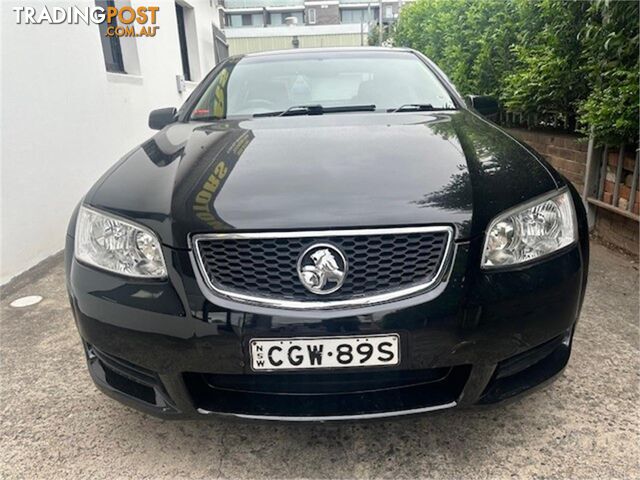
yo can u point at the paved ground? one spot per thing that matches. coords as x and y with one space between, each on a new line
54 424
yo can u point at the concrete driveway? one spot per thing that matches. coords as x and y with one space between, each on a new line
55 424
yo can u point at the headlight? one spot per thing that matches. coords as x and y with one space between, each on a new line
118 245
530 231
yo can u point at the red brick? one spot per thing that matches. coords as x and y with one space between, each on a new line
575 167
567 153
628 164
618 230
625 192
573 178
542 148
556 162
608 187
579 143
572 142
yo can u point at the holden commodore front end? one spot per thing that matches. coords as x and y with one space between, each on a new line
323 235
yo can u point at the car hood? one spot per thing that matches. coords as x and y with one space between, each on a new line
318 172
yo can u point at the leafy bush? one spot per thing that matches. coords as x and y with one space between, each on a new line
373 38
547 59
475 58
577 60
610 56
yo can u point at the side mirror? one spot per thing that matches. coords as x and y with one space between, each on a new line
160 118
485 106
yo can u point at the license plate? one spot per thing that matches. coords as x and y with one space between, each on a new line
324 352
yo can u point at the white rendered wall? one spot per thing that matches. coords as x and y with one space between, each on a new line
65 120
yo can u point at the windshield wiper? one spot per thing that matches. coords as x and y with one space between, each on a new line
316 110
417 107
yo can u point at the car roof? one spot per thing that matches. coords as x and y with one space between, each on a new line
293 51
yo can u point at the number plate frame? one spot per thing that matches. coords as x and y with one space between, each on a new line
329 344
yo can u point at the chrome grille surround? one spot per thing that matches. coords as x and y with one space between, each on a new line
312 236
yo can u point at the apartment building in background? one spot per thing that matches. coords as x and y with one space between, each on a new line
259 25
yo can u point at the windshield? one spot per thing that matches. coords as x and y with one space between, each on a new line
259 85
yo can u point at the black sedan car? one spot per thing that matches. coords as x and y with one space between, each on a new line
326 234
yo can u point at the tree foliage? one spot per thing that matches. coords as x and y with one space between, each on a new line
475 58
373 37
545 77
610 57
577 60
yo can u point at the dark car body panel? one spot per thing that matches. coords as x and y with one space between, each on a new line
478 321
478 337
347 170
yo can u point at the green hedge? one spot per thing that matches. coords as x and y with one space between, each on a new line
575 60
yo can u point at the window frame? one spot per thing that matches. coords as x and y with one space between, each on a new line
315 16
229 17
182 40
363 16
112 43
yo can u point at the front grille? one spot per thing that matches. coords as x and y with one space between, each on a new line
324 395
264 266
318 383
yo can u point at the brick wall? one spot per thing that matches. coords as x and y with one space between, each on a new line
626 181
618 230
568 155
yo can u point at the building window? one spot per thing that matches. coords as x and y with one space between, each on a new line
275 19
111 48
311 16
297 15
355 15
182 37
234 20
246 20
388 11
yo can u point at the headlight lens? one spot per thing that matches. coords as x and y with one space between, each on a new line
117 245
530 231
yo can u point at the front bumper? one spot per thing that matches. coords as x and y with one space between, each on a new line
478 338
